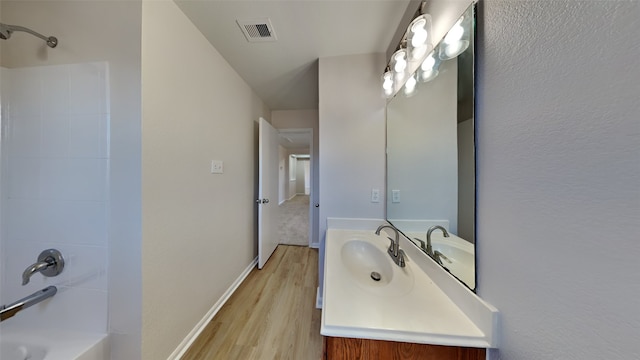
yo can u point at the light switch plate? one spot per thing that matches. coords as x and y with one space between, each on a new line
395 196
375 195
217 167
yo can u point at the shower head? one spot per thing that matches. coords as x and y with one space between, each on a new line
6 30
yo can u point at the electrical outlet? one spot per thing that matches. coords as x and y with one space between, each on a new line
395 196
217 167
375 195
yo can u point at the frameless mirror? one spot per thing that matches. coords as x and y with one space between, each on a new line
431 154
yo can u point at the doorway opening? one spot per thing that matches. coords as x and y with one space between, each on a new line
295 187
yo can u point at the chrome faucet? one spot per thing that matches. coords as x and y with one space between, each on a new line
394 249
431 229
50 263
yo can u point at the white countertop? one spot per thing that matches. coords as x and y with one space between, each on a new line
417 312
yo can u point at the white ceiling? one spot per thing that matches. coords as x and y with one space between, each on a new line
284 73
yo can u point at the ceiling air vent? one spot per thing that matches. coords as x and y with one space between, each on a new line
257 30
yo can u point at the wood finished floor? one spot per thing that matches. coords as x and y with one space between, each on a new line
271 315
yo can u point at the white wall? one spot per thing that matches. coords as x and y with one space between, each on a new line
558 173
305 119
99 31
199 229
422 160
283 176
352 139
300 164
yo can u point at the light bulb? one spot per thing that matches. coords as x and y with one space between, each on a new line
453 49
428 63
410 86
387 84
400 61
456 33
419 38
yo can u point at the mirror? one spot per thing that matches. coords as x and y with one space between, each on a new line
431 154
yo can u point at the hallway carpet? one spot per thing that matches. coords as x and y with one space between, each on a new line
294 221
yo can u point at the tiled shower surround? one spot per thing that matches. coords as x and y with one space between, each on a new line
55 167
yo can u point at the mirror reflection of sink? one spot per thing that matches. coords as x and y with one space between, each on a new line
461 260
361 258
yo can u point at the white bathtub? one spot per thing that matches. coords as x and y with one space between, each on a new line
28 344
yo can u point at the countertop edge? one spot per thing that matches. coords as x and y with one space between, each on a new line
400 336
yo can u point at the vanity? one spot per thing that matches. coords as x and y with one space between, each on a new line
402 287
417 311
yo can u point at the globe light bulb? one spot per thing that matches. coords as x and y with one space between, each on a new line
428 63
387 84
400 61
456 33
410 86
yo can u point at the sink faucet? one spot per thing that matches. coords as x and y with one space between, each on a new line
431 229
394 249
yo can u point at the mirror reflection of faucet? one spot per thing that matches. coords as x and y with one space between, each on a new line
50 263
394 249
432 229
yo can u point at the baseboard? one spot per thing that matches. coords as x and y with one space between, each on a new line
318 299
193 334
314 245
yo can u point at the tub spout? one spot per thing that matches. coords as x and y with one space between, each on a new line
50 263
32 269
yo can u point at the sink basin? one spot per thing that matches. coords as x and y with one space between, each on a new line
360 258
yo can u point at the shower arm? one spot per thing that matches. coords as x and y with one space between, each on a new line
52 41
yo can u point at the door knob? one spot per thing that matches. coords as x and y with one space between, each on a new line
265 201
317 205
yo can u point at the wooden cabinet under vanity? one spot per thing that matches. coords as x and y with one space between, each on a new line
337 348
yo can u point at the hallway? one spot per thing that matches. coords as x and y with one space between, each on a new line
294 221
272 314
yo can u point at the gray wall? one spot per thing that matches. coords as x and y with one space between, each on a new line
352 137
558 176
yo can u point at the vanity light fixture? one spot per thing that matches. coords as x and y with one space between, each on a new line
414 46
455 42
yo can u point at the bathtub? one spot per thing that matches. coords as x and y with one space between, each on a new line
27 344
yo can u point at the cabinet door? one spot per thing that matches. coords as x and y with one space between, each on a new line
364 349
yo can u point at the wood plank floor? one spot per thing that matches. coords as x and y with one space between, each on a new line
272 314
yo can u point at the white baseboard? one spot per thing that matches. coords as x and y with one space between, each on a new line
314 245
318 299
193 334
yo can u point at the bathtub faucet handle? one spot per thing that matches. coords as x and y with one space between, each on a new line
50 263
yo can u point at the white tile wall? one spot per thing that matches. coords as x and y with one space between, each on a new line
55 193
